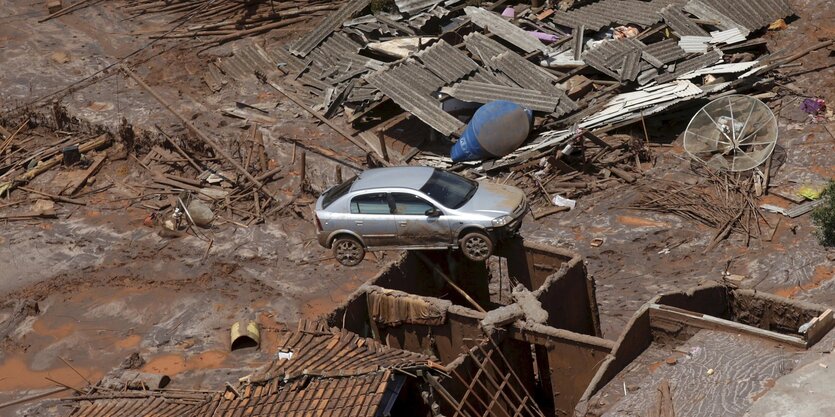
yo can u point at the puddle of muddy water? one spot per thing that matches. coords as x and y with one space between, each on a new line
94 329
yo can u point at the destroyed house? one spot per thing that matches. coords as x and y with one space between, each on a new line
317 372
436 334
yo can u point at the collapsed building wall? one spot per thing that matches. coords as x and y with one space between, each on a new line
752 337
550 356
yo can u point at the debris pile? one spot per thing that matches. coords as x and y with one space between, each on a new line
723 202
592 68
226 20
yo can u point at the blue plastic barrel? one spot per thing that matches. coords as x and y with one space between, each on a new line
496 129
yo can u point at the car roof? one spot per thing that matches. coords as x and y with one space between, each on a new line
393 177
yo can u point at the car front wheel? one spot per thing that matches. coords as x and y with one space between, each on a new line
348 250
476 246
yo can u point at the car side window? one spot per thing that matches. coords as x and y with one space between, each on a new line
375 203
409 204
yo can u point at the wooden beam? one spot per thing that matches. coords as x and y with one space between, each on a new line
703 321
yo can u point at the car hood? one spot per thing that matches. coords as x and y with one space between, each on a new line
494 200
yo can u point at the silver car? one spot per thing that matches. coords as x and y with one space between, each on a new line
416 208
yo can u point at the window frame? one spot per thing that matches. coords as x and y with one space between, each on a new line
386 199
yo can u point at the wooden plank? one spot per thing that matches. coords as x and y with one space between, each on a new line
821 325
703 321
91 170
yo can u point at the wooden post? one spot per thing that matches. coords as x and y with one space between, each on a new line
302 167
382 136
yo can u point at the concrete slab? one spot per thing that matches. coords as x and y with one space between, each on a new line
806 392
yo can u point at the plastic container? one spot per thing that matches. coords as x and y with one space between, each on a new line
496 129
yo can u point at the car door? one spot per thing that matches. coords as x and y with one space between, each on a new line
414 227
372 219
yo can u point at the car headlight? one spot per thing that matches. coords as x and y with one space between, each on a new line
501 221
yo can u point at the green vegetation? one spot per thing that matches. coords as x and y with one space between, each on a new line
378 6
824 216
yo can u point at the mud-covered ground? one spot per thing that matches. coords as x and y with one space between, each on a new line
107 285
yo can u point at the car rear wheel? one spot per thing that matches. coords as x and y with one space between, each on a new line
348 250
476 246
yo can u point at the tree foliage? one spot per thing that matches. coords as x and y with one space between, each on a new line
824 217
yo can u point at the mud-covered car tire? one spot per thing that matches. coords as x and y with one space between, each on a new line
476 246
348 250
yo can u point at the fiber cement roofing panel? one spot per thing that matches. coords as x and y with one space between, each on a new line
331 22
446 61
477 92
410 85
504 29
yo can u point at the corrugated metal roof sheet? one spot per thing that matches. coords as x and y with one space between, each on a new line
483 47
665 51
446 61
606 12
330 23
410 85
680 23
747 15
477 92
504 29
710 58
412 6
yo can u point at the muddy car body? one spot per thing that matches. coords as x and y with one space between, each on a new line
416 208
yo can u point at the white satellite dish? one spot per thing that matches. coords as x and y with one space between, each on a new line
733 133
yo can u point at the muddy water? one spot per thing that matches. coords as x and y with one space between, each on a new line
96 328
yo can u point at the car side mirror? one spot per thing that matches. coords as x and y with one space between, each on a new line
433 212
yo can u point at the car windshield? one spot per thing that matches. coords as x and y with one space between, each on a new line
452 191
334 193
